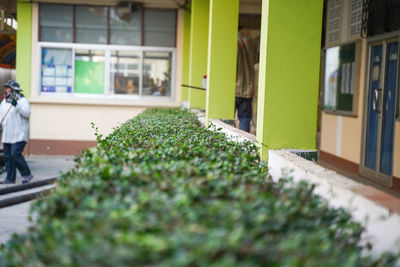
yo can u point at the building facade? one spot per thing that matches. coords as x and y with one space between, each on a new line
95 61
106 61
98 61
360 124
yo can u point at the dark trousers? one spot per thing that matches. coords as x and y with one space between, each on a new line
14 160
245 112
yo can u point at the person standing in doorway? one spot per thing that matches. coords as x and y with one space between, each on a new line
14 115
246 58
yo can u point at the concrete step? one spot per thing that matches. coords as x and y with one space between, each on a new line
16 194
9 188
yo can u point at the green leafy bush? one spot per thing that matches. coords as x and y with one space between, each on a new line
162 190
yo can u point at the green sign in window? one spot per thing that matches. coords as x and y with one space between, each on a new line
89 72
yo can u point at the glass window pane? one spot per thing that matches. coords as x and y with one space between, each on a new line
339 77
91 25
56 72
159 27
125 72
331 77
157 73
89 71
347 57
125 32
56 23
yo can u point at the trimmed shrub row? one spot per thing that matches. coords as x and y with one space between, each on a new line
162 190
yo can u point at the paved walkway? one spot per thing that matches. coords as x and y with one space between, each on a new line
14 219
44 167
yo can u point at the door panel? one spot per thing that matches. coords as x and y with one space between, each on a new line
388 110
380 112
373 116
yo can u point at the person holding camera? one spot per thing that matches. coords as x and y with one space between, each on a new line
14 115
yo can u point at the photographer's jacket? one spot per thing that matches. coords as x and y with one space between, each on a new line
16 124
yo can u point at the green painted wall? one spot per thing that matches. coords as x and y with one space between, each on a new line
289 74
186 53
222 49
198 51
24 43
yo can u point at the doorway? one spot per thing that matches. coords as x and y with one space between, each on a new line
378 141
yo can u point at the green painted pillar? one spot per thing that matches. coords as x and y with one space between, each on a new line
222 49
198 52
289 74
186 53
24 44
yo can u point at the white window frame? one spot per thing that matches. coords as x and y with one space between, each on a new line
107 68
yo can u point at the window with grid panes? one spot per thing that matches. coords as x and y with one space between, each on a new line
135 53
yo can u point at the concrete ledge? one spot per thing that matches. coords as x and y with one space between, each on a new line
381 224
230 131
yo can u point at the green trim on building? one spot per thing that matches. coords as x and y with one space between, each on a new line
222 49
24 46
289 74
186 53
198 52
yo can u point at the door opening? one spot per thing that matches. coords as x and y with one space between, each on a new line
378 145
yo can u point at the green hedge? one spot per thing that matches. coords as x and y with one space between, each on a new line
162 190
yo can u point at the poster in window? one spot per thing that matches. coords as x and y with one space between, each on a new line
62 89
56 70
61 70
49 70
61 81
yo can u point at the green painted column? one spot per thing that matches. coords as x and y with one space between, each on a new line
289 74
222 49
186 53
24 46
198 52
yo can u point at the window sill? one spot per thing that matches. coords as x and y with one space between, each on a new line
340 113
142 102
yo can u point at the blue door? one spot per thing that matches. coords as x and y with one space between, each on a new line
379 133
374 90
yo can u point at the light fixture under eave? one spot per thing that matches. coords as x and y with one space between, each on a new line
125 9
